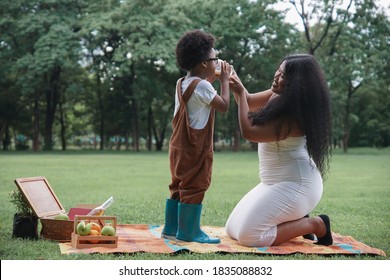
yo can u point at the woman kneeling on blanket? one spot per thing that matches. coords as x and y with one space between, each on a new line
291 122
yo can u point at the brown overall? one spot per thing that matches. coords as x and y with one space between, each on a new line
190 153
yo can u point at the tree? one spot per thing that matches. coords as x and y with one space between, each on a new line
357 61
41 37
143 54
252 37
107 69
351 46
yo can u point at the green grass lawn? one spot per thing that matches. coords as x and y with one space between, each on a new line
356 195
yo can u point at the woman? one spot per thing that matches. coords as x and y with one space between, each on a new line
292 124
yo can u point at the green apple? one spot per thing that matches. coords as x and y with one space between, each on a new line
62 216
83 229
108 231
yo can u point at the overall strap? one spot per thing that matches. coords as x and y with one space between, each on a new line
188 92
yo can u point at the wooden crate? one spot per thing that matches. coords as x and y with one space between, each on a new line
80 242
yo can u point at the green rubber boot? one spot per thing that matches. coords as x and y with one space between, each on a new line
189 225
170 227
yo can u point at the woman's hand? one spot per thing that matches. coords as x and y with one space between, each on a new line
238 89
236 85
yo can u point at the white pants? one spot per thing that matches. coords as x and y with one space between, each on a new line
254 220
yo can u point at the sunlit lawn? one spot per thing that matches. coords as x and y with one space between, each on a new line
356 194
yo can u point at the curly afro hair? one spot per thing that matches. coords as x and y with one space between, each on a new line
193 47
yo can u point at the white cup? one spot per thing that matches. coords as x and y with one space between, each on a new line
218 68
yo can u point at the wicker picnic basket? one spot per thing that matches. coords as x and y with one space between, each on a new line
46 206
56 230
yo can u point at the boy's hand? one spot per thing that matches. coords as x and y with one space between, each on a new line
226 71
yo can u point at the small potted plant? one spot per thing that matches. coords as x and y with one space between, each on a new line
25 223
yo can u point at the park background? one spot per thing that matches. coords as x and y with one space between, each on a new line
87 96
101 74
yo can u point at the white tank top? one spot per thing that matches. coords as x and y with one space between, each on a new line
286 160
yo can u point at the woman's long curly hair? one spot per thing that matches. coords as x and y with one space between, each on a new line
305 101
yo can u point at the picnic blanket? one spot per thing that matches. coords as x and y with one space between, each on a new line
146 238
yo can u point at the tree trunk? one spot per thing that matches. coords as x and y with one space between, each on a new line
347 121
345 140
126 140
236 140
236 133
63 127
150 120
159 137
36 120
135 124
2 132
100 109
134 109
346 125
52 97
118 143
7 138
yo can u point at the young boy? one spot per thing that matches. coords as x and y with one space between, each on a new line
191 143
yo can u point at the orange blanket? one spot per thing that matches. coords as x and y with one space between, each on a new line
146 238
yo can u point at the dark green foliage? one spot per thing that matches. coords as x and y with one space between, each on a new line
73 71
